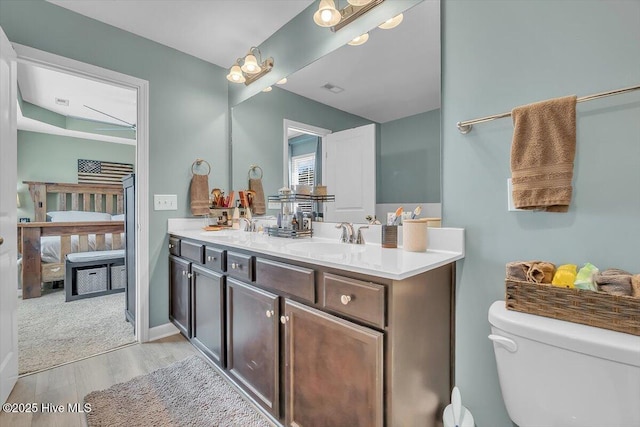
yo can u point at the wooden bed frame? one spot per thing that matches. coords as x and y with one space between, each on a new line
82 197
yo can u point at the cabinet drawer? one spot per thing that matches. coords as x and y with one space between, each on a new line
293 280
364 301
192 251
174 246
215 259
240 266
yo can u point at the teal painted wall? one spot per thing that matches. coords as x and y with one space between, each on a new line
188 109
54 158
498 55
409 156
257 127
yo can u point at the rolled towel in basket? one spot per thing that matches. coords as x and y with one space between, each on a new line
531 271
614 282
635 285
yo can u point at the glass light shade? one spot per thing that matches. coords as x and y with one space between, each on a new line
250 65
391 23
327 14
359 40
267 89
282 81
359 2
235 75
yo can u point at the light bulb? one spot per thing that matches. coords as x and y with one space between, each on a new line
327 15
250 65
391 23
235 75
362 39
282 81
267 89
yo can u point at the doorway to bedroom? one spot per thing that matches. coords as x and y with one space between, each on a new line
77 155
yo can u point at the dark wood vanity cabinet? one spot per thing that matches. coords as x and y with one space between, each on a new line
180 294
207 313
253 342
333 370
318 346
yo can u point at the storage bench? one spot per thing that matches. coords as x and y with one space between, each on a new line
92 274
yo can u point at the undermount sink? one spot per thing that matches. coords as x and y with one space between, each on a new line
325 248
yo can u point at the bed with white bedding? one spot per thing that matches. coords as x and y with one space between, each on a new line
89 218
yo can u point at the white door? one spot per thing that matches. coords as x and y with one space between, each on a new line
8 220
349 172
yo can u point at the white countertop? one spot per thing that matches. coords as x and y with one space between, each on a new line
446 245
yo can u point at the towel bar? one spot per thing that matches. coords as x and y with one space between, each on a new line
466 126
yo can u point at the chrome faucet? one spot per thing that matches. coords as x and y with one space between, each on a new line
249 224
347 232
360 238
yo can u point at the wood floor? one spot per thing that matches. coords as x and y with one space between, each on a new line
68 384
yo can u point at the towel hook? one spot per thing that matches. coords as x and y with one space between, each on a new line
253 168
198 162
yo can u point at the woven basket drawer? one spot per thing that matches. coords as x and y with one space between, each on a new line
599 309
118 276
90 280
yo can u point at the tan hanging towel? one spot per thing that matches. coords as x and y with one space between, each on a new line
542 154
258 206
199 190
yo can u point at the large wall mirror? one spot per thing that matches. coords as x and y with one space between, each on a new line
392 81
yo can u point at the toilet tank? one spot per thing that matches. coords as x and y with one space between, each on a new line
560 374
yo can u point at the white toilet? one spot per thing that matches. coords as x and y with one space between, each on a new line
561 374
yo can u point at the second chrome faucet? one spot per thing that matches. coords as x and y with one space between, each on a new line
348 235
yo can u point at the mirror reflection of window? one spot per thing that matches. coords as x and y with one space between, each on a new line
305 153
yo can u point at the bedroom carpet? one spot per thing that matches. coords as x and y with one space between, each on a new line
186 393
52 331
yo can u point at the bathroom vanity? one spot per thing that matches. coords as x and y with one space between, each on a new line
317 332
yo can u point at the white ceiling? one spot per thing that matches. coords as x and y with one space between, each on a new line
219 31
41 86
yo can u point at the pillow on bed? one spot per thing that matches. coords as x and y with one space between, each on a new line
78 216
119 217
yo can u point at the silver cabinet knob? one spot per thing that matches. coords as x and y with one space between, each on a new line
234 265
184 273
345 299
284 319
270 313
211 258
170 246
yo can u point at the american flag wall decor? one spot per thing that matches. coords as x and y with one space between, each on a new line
99 172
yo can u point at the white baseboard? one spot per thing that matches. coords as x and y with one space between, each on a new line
162 331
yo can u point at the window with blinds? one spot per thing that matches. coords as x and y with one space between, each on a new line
303 169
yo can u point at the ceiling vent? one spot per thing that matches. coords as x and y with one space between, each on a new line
61 101
333 88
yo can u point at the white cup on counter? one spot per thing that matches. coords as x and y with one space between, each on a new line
414 235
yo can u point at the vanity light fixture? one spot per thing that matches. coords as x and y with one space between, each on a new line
359 40
252 68
391 23
267 89
281 81
328 15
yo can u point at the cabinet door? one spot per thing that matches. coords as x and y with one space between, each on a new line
179 294
333 370
252 342
207 312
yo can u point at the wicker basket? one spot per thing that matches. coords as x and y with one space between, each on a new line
599 309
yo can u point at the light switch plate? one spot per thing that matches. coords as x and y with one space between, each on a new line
165 202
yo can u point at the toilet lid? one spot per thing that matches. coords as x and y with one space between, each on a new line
611 345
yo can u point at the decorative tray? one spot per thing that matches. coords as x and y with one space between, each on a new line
288 233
